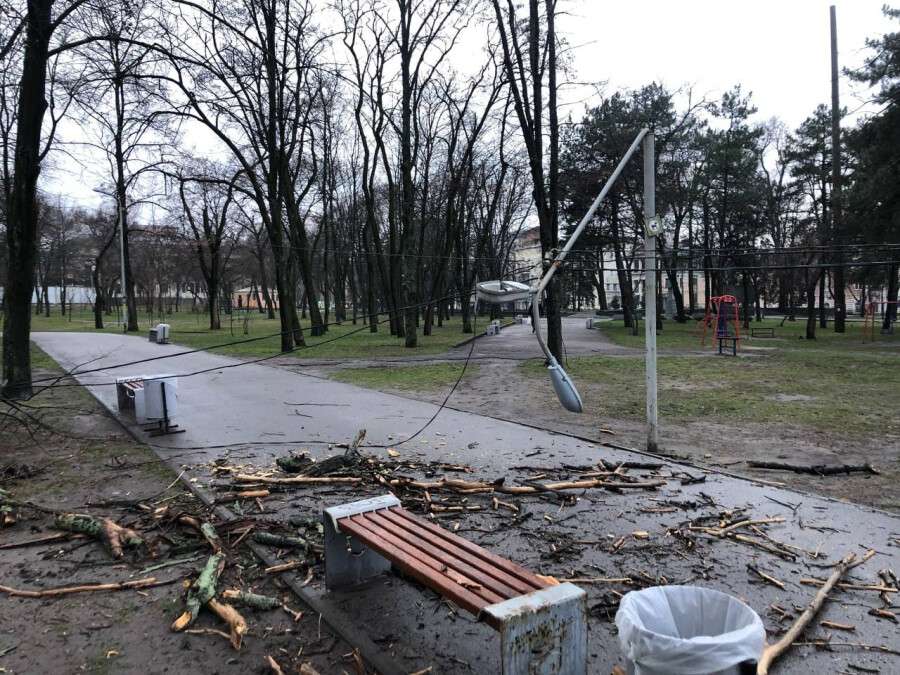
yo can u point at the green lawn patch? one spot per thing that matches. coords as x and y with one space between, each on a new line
847 393
790 335
191 330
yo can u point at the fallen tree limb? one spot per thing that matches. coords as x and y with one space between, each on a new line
465 487
295 480
114 536
818 469
201 592
773 651
88 588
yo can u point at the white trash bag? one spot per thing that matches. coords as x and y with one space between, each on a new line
686 630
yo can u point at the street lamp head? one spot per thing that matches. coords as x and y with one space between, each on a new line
500 291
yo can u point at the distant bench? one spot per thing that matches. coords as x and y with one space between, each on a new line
763 332
539 622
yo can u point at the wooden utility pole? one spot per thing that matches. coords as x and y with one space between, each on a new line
837 225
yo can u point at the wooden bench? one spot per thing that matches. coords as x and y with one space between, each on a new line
762 332
542 625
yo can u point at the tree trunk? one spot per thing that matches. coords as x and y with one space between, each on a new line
811 308
890 311
823 312
22 227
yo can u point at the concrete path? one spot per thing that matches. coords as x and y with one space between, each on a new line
252 413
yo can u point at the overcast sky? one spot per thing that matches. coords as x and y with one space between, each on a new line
777 49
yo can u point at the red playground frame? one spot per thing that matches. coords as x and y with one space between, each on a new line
723 309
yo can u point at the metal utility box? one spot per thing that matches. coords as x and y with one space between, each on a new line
160 334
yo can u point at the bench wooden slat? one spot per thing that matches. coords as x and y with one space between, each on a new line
498 580
422 541
507 566
436 562
412 566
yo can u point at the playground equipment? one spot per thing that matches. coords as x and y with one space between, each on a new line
722 311
873 309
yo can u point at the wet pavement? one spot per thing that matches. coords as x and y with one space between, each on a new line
249 414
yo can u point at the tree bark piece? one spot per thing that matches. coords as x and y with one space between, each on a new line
773 651
201 591
254 600
280 541
89 588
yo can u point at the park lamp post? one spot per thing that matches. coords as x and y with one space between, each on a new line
121 229
502 291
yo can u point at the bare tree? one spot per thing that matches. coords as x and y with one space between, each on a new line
206 201
525 74
30 40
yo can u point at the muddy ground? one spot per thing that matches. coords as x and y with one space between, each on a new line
126 631
611 540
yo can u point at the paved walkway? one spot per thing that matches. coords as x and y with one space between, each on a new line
253 411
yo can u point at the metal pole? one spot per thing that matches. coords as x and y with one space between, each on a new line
122 260
840 301
590 212
650 290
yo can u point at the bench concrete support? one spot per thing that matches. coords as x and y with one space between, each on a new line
347 561
544 632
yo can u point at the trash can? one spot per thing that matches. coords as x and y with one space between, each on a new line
686 630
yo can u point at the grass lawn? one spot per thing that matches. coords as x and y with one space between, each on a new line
792 334
191 330
406 378
847 393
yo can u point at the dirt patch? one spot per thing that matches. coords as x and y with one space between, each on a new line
125 631
791 398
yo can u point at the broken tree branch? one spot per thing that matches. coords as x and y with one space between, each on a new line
228 614
295 480
818 469
88 588
201 592
773 651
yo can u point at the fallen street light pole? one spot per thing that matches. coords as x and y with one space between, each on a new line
501 291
